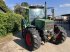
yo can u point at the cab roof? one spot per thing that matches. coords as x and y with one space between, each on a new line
36 6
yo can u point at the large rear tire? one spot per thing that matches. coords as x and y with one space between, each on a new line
32 39
61 37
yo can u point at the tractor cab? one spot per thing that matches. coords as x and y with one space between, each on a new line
39 19
36 12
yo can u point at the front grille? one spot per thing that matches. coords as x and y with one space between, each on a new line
49 25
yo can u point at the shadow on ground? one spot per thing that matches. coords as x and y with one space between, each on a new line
20 41
18 34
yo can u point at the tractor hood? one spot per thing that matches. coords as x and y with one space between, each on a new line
44 24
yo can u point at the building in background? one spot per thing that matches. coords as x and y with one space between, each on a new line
66 17
58 18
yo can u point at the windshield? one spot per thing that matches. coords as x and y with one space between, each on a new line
36 13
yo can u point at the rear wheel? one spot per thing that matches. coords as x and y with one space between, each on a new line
61 36
32 39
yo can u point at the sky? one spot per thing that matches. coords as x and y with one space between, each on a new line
60 6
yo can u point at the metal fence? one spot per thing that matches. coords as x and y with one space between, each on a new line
64 24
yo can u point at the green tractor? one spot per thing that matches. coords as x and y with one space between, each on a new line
39 28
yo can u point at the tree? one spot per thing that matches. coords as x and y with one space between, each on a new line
17 9
20 9
24 4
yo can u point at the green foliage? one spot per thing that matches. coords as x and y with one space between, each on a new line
9 22
3 6
3 20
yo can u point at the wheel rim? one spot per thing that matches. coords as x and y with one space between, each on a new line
59 37
28 39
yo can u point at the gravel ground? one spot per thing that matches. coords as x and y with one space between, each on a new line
18 45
